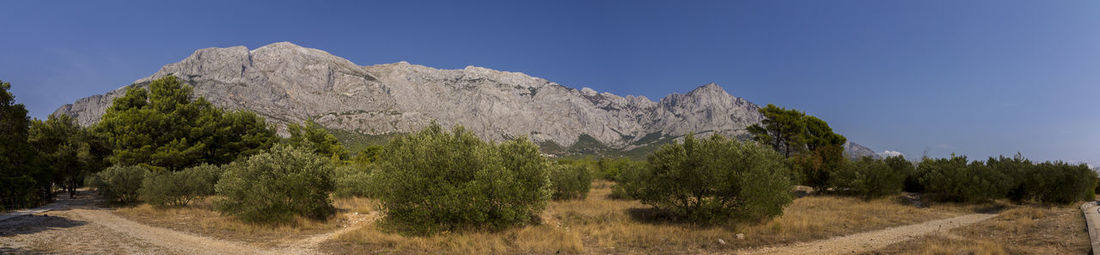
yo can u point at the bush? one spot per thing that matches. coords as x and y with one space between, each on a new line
179 188
715 179
570 181
628 181
276 185
868 178
353 180
120 183
956 181
434 181
1059 183
611 169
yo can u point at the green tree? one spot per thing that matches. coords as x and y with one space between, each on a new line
315 137
162 126
24 181
435 181
813 149
70 151
901 165
714 179
782 129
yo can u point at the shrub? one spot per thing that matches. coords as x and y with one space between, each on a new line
868 178
276 185
956 181
715 179
120 183
179 188
353 180
611 169
1059 183
434 181
628 181
570 181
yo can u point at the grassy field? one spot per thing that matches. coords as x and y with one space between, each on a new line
603 225
1021 230
600 225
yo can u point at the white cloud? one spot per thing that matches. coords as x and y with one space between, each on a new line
890 153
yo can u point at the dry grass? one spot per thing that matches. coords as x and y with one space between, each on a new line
200 218
1022 230
602 225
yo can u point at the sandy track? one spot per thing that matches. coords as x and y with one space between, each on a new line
873 240
78 227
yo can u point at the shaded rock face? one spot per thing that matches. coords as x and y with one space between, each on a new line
286 83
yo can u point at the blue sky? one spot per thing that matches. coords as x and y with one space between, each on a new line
972 77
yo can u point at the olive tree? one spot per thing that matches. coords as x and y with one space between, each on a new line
714 179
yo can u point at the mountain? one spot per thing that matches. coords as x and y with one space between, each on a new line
286 83
857 151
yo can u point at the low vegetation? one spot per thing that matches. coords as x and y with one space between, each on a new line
601 225
570 181
179 188
120 183
868 178
276 186
353 180
435 181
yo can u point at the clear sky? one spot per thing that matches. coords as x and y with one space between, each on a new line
973 77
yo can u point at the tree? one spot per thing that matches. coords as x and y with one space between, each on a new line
782 130
813 149
70 151
435 181
23 180
163 127
315 137
714 179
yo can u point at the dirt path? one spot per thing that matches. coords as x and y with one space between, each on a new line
869 241
77 226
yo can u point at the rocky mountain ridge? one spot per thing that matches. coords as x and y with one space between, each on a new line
284 82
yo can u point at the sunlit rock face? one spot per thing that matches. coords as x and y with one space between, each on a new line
285 83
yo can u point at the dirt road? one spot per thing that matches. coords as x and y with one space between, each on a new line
873 240
77 226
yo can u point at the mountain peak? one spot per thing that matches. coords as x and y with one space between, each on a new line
282 45
709 88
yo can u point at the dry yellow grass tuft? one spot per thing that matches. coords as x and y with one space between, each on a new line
1020 230
602 225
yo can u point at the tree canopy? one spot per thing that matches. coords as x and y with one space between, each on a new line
163 126
23 181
